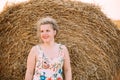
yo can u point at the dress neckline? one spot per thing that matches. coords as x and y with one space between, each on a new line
47 57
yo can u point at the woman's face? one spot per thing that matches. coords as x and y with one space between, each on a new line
47 33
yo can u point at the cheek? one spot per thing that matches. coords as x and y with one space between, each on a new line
50 33
41 34
53 34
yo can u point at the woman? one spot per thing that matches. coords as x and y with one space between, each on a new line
48 60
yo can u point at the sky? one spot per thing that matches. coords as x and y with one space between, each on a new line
109 7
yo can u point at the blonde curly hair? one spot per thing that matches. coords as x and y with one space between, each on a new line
47 20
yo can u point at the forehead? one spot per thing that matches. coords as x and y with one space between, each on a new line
46 26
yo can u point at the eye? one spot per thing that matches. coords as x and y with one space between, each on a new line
41 31
47 30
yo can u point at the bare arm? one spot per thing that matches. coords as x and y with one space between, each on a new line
67 66
30 65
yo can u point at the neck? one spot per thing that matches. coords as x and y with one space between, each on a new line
49 44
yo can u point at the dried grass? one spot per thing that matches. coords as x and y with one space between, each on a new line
117 22
92 39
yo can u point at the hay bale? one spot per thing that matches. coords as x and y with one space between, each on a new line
117 22
92 39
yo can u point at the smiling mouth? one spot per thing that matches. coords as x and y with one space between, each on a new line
45 37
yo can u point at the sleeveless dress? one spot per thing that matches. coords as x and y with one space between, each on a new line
47 68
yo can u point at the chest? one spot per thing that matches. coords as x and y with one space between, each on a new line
50 56
51 53
46 62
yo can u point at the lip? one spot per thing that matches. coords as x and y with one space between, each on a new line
45 37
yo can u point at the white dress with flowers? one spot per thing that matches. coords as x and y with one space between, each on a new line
49 69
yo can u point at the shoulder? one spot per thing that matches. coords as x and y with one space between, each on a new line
33 50
63 47
65 52
35 47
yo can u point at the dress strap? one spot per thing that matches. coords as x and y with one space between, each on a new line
60 46
61 49
39 50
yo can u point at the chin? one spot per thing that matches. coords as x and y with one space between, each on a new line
46 41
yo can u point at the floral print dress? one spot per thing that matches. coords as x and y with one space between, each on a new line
49 69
